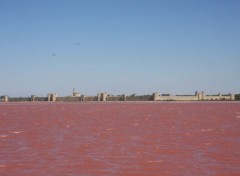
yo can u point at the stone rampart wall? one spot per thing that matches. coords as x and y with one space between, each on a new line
90 98
68 99
217 97
40 98
139 98
20 99
199 96
177 98
115 98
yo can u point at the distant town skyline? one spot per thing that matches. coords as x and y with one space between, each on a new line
124 46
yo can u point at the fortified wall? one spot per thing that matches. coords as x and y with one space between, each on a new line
199 96
77 97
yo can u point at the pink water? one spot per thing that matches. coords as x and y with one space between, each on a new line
90 139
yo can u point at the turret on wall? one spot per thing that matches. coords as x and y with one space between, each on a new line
203 95
200 96
102 96
220 96
82 98
156 96
76 94
232 97
5 98
33 97
52 97
124 98
99 97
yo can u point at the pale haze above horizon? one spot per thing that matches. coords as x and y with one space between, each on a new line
119 46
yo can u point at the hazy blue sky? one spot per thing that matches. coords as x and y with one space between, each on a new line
119 46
